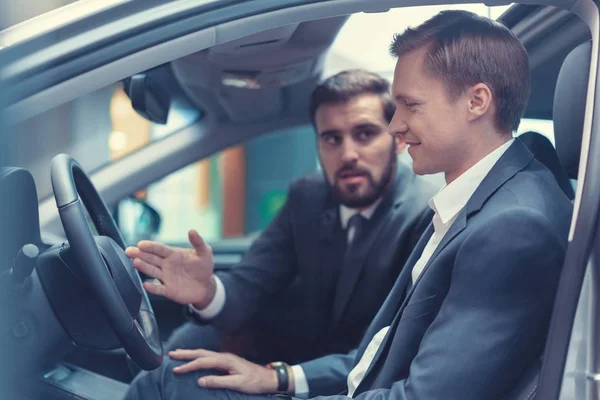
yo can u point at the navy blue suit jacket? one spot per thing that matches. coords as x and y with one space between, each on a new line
478 315
295 274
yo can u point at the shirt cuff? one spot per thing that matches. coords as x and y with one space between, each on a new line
216 304
300 382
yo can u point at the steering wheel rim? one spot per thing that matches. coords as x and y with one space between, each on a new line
73 190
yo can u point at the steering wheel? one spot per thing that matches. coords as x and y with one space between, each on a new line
136 326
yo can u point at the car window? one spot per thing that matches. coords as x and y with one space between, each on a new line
95 129
542 126
231 194
130 131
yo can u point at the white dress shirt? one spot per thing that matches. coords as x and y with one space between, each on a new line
446 204
217 303
346 213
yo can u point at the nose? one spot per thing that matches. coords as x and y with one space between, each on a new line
398 125
349 151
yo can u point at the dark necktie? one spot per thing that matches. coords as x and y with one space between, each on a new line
350 267
356 222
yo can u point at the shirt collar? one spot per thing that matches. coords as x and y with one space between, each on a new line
346 212
453 197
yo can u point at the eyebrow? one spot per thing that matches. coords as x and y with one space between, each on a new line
366 125
360 126
402 97
406 97
329 132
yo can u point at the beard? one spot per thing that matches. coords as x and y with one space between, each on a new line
352 196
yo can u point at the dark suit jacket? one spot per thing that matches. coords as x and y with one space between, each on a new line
292 274
477 316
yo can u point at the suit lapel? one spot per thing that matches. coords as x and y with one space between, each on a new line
397 298
329 253
516 158
357 254
327 222
459 225
354 262
398 294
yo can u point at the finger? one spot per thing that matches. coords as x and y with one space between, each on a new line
132 251
193 365
157 289
204 363
188 367
180 354
145 268
221 382
160 249
197 242
151 258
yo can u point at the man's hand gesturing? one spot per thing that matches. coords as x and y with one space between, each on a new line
185 275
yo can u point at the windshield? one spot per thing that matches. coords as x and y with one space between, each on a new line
355 49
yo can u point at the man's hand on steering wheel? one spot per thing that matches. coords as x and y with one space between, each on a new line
185 275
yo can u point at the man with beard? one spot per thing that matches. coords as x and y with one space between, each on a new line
315 278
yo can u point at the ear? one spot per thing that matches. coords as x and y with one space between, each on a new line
480 101
399 143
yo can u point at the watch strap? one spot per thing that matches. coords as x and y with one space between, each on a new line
283 379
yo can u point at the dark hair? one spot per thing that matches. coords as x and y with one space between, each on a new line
346 85
466 49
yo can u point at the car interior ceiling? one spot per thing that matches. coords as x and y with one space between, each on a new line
286 62
21 211
195 81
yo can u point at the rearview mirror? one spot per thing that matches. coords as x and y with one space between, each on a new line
148 98
137 220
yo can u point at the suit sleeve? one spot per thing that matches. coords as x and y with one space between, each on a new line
492 322
267 267
328 375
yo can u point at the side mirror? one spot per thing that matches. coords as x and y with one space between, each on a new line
137 220
148 98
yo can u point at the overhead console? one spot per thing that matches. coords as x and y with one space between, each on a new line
246 78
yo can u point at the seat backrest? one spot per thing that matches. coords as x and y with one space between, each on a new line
568 115
545 153
18 212
527 387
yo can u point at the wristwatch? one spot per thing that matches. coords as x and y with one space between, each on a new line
283 376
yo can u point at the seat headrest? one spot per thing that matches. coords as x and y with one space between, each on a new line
569 106
545 153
